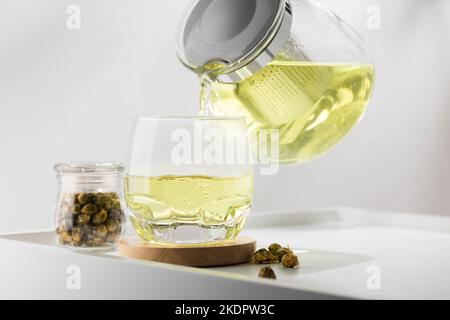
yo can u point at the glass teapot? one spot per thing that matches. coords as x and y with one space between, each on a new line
292 68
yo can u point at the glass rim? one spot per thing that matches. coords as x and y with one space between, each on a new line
89 167
191 118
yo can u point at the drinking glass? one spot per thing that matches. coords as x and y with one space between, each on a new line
189 179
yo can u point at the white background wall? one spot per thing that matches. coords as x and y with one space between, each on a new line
73 95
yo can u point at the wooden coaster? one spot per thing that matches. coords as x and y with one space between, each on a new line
218 253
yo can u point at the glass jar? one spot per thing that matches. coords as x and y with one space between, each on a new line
90 207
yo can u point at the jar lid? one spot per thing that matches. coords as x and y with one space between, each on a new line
89 167
233 34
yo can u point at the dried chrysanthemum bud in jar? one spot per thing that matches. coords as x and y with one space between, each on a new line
83 198
90 224
82 219
89 209
112 225
267 272
76 209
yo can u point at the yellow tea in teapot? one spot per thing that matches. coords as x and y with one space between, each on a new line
312 105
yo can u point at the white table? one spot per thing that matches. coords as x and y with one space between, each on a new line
345 253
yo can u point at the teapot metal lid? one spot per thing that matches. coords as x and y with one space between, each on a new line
242 36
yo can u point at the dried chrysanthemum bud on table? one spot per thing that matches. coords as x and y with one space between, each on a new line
283 251
290 260
267 272
276 254
89 219
264 256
